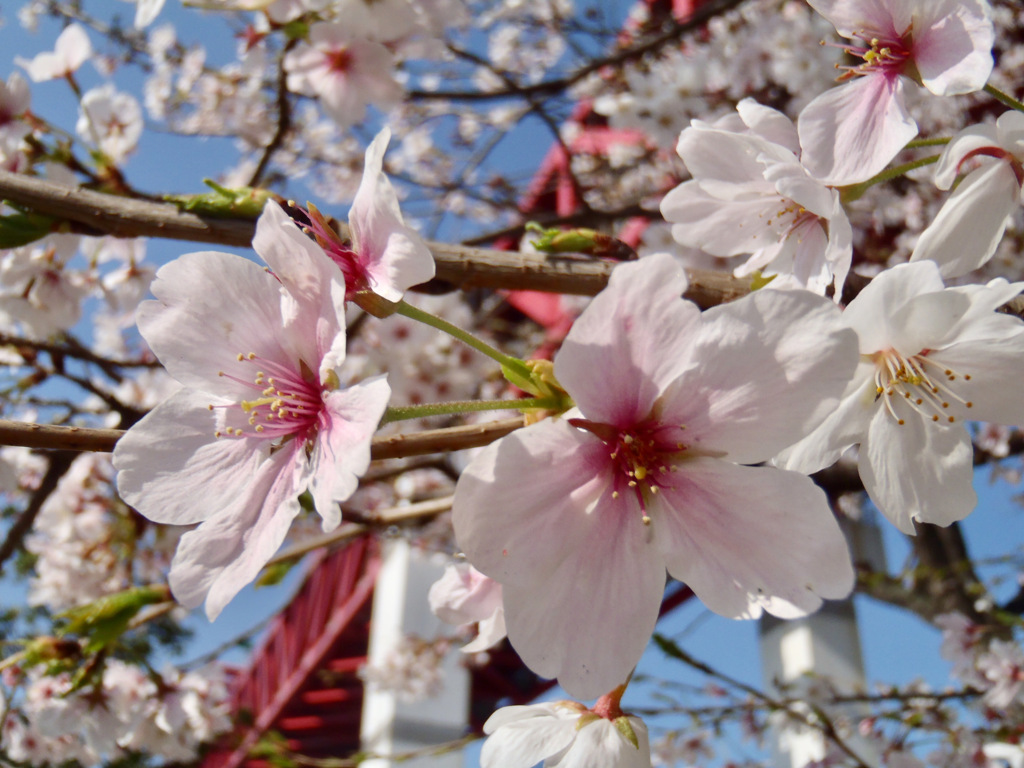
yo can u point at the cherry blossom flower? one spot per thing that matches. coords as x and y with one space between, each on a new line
746 169
1003 668
579 517
346 74
262 417
931 358
71 51
38 293
112 119
564 734
14 101
966 231
463 595
146 12
850 133
385 256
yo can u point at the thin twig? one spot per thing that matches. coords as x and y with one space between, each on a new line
393 516
59 464
555 86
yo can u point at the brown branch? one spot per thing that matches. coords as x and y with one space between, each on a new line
284 117
59 464
75 349
388 447
99 213
422 510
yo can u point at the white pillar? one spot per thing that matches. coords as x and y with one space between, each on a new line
389 725
824 644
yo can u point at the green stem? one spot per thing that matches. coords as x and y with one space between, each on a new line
402 413
919 143
1006 98
413 313
854 191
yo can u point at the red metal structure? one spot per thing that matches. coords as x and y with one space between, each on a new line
302 682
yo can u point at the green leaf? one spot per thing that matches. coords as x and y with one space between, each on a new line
224 201
20 229
274 574
623 726
103 621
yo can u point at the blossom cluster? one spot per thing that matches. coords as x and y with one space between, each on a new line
663 440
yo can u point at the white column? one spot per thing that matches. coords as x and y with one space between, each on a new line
389 725
824 644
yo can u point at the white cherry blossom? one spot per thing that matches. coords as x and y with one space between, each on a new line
750 194
966 231
564 734
346 73
112 120
71 51
932 358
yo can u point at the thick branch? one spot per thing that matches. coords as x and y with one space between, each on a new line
389 447
99 213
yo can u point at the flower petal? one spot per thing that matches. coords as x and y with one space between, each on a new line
582 582
395 257
636 332
172 451
314 317
967 229
599 744
751 538
342 452
843 428
768 369
851 132
917 470
871 312
953 45
226 552
198 329
521 739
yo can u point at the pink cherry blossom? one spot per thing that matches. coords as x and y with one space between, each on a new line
850 133
932 358
14 101
345 73
580 517
463 595
262 416
71 51
750 194
966 231
385 256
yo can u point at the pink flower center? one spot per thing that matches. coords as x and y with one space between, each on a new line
288 402
889 57
339 60
919 381
641 457
348 261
